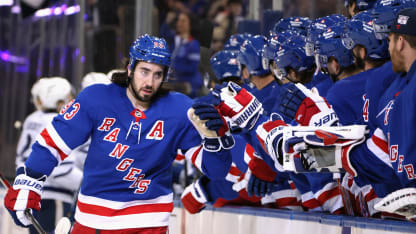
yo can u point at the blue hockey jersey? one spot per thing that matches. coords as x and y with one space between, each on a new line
127 173
389 150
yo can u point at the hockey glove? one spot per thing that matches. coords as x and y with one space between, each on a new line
323 149
306 107
270 136
194 197
25 194
401 202
211 126
239 105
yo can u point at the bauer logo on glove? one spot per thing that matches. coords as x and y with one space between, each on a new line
239 105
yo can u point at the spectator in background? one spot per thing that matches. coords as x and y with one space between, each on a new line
229 18
185 76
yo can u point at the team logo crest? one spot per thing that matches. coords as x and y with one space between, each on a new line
137 114
233 61
158 45
402 19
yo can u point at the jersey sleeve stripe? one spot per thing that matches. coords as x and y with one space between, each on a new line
373 144
46 140
380 141
195 154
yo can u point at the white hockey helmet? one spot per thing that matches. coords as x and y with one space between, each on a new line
110 73
94 78
52 90
35 92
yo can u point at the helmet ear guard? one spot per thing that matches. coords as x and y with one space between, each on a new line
250 55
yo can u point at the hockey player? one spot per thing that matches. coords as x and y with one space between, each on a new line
95 78
295 24
250 181
320 80
355 6
49 95
389 148
247 56
250 58
136 128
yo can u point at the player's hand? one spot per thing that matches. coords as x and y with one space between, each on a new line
306 107
270 135
211 126
254 185
194 197
325 149
25 194
238 104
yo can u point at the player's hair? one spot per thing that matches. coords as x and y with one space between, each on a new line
122 79
409 38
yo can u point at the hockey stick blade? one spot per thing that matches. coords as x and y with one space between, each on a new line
63 226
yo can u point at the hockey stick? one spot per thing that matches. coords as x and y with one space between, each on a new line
35 223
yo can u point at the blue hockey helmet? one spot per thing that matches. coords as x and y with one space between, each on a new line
361 4
384 13
295 24
319 26
329 44
359 31
224 64
250 55
235 41
272 45
149 49
291 54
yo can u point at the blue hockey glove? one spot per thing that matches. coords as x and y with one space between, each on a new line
211 126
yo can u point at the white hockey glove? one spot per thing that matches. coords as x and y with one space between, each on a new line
401 202
238 104
25 194
323 149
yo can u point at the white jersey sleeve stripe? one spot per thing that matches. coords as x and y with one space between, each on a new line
379 147
195 154
58 140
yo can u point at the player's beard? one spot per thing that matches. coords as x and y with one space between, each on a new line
143 98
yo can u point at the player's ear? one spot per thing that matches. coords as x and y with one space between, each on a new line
362 52
400 43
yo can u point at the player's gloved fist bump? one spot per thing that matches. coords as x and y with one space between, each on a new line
25 194
211 126
194 197
306 107
239 105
